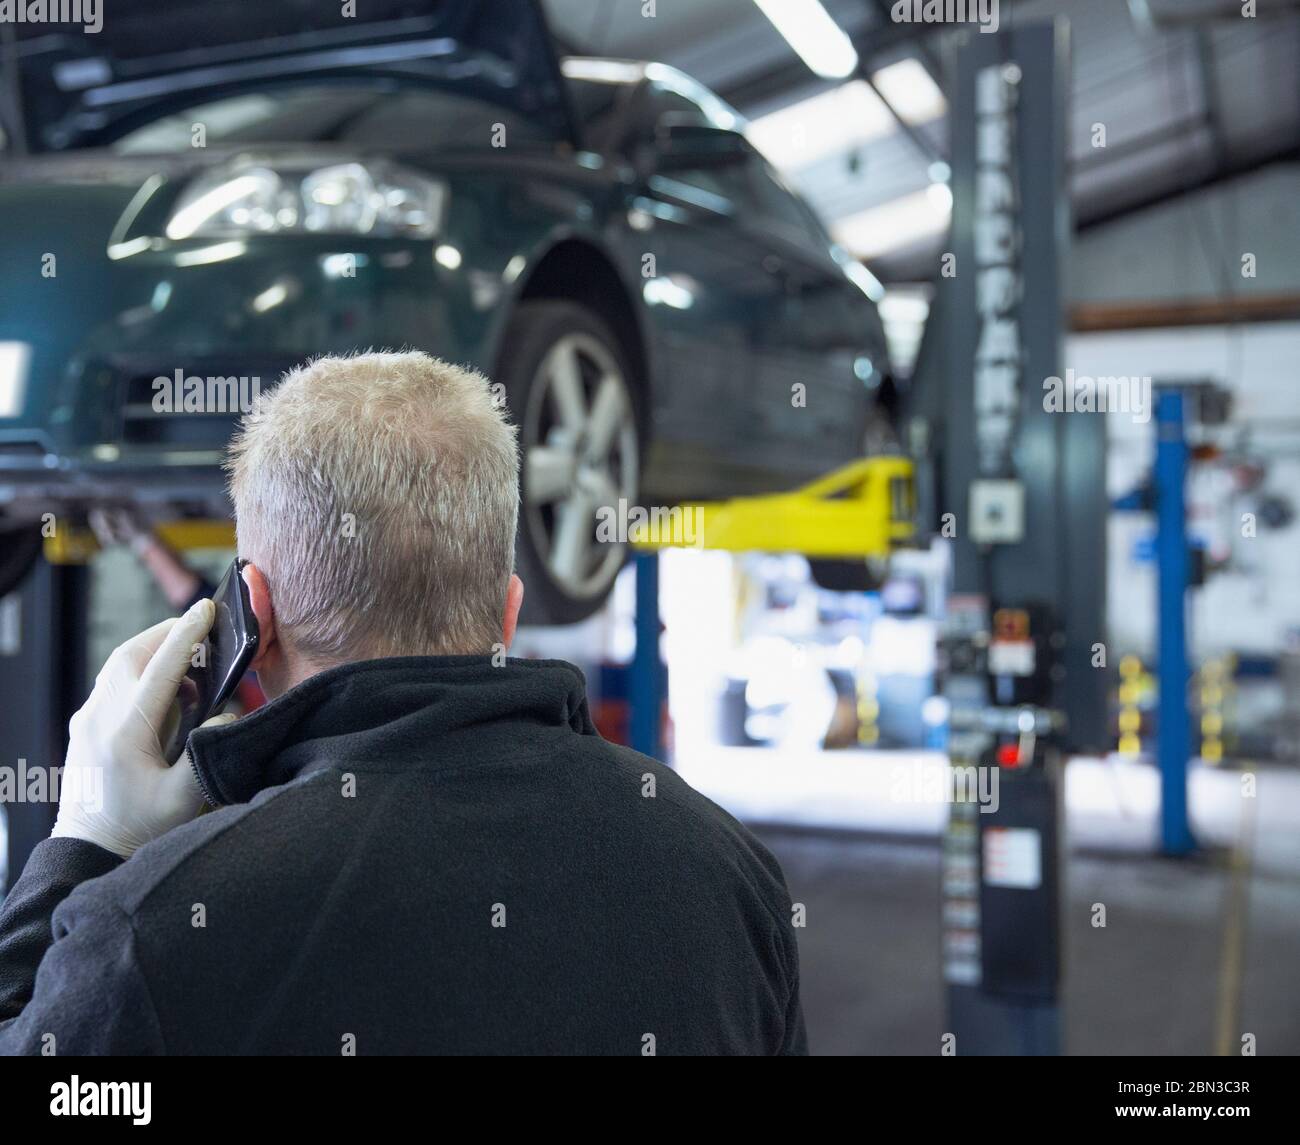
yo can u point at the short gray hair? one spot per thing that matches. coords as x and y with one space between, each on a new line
379 495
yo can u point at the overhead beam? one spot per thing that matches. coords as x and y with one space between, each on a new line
864 44
924 48
12 102
1145 141
870 43
1230 171
1093 317
1166 14
923 143
1208 72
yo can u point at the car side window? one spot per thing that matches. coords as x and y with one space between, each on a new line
731 182
788 215
599 108
658 103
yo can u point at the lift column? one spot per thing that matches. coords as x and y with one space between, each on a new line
1173 733
42 682
1021 492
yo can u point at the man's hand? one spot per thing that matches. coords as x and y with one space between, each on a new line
117 790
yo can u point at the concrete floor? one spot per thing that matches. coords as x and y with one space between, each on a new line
1195 952
1149 983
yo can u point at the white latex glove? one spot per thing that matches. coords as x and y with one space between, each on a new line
117 789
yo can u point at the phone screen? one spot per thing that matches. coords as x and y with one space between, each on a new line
226 654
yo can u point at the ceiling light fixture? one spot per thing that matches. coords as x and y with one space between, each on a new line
816 38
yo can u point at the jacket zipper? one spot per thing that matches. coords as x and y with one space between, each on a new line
203 787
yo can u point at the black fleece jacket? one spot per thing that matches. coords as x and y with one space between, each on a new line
416 855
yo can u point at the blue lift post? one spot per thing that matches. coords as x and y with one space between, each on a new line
646 686
1173 734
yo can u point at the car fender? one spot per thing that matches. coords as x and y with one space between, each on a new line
591 237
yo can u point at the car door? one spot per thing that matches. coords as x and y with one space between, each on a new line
709 290
819 344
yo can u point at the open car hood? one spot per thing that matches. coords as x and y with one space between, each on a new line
64 86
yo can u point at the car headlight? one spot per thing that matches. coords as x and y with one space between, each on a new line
372 198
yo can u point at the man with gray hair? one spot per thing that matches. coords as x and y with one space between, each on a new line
420 845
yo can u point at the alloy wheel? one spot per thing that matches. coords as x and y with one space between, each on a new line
580 456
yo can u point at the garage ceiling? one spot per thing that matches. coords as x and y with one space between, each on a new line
1189 93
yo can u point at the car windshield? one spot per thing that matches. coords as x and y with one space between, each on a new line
62 89
385 115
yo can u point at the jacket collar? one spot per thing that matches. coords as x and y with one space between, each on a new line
399 711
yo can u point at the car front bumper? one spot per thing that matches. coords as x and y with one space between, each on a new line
80 423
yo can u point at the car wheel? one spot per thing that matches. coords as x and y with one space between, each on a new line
19 550
571 392
846 576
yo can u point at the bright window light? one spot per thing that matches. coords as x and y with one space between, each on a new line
911 91
827 124
602 71
904 306
867 282
904 311
846 117
14 358
271 297
814 36
893 225
941 193
217 252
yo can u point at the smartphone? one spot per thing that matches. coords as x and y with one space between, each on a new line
227 652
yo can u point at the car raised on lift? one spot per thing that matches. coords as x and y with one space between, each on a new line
216 192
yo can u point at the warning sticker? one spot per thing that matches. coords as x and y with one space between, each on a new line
1013 857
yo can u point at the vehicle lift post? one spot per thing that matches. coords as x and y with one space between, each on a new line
1173 732
1164 493
648 687
43 680
1021 484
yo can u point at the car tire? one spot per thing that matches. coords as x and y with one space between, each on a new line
573 394
20 548
845 576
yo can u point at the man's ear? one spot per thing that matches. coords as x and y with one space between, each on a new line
514 601
260 593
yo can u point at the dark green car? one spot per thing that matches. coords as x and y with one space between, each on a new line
204 194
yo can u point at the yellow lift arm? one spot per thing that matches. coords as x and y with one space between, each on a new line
70 545
864 509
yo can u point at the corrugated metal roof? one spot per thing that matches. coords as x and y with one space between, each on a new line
1186 91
